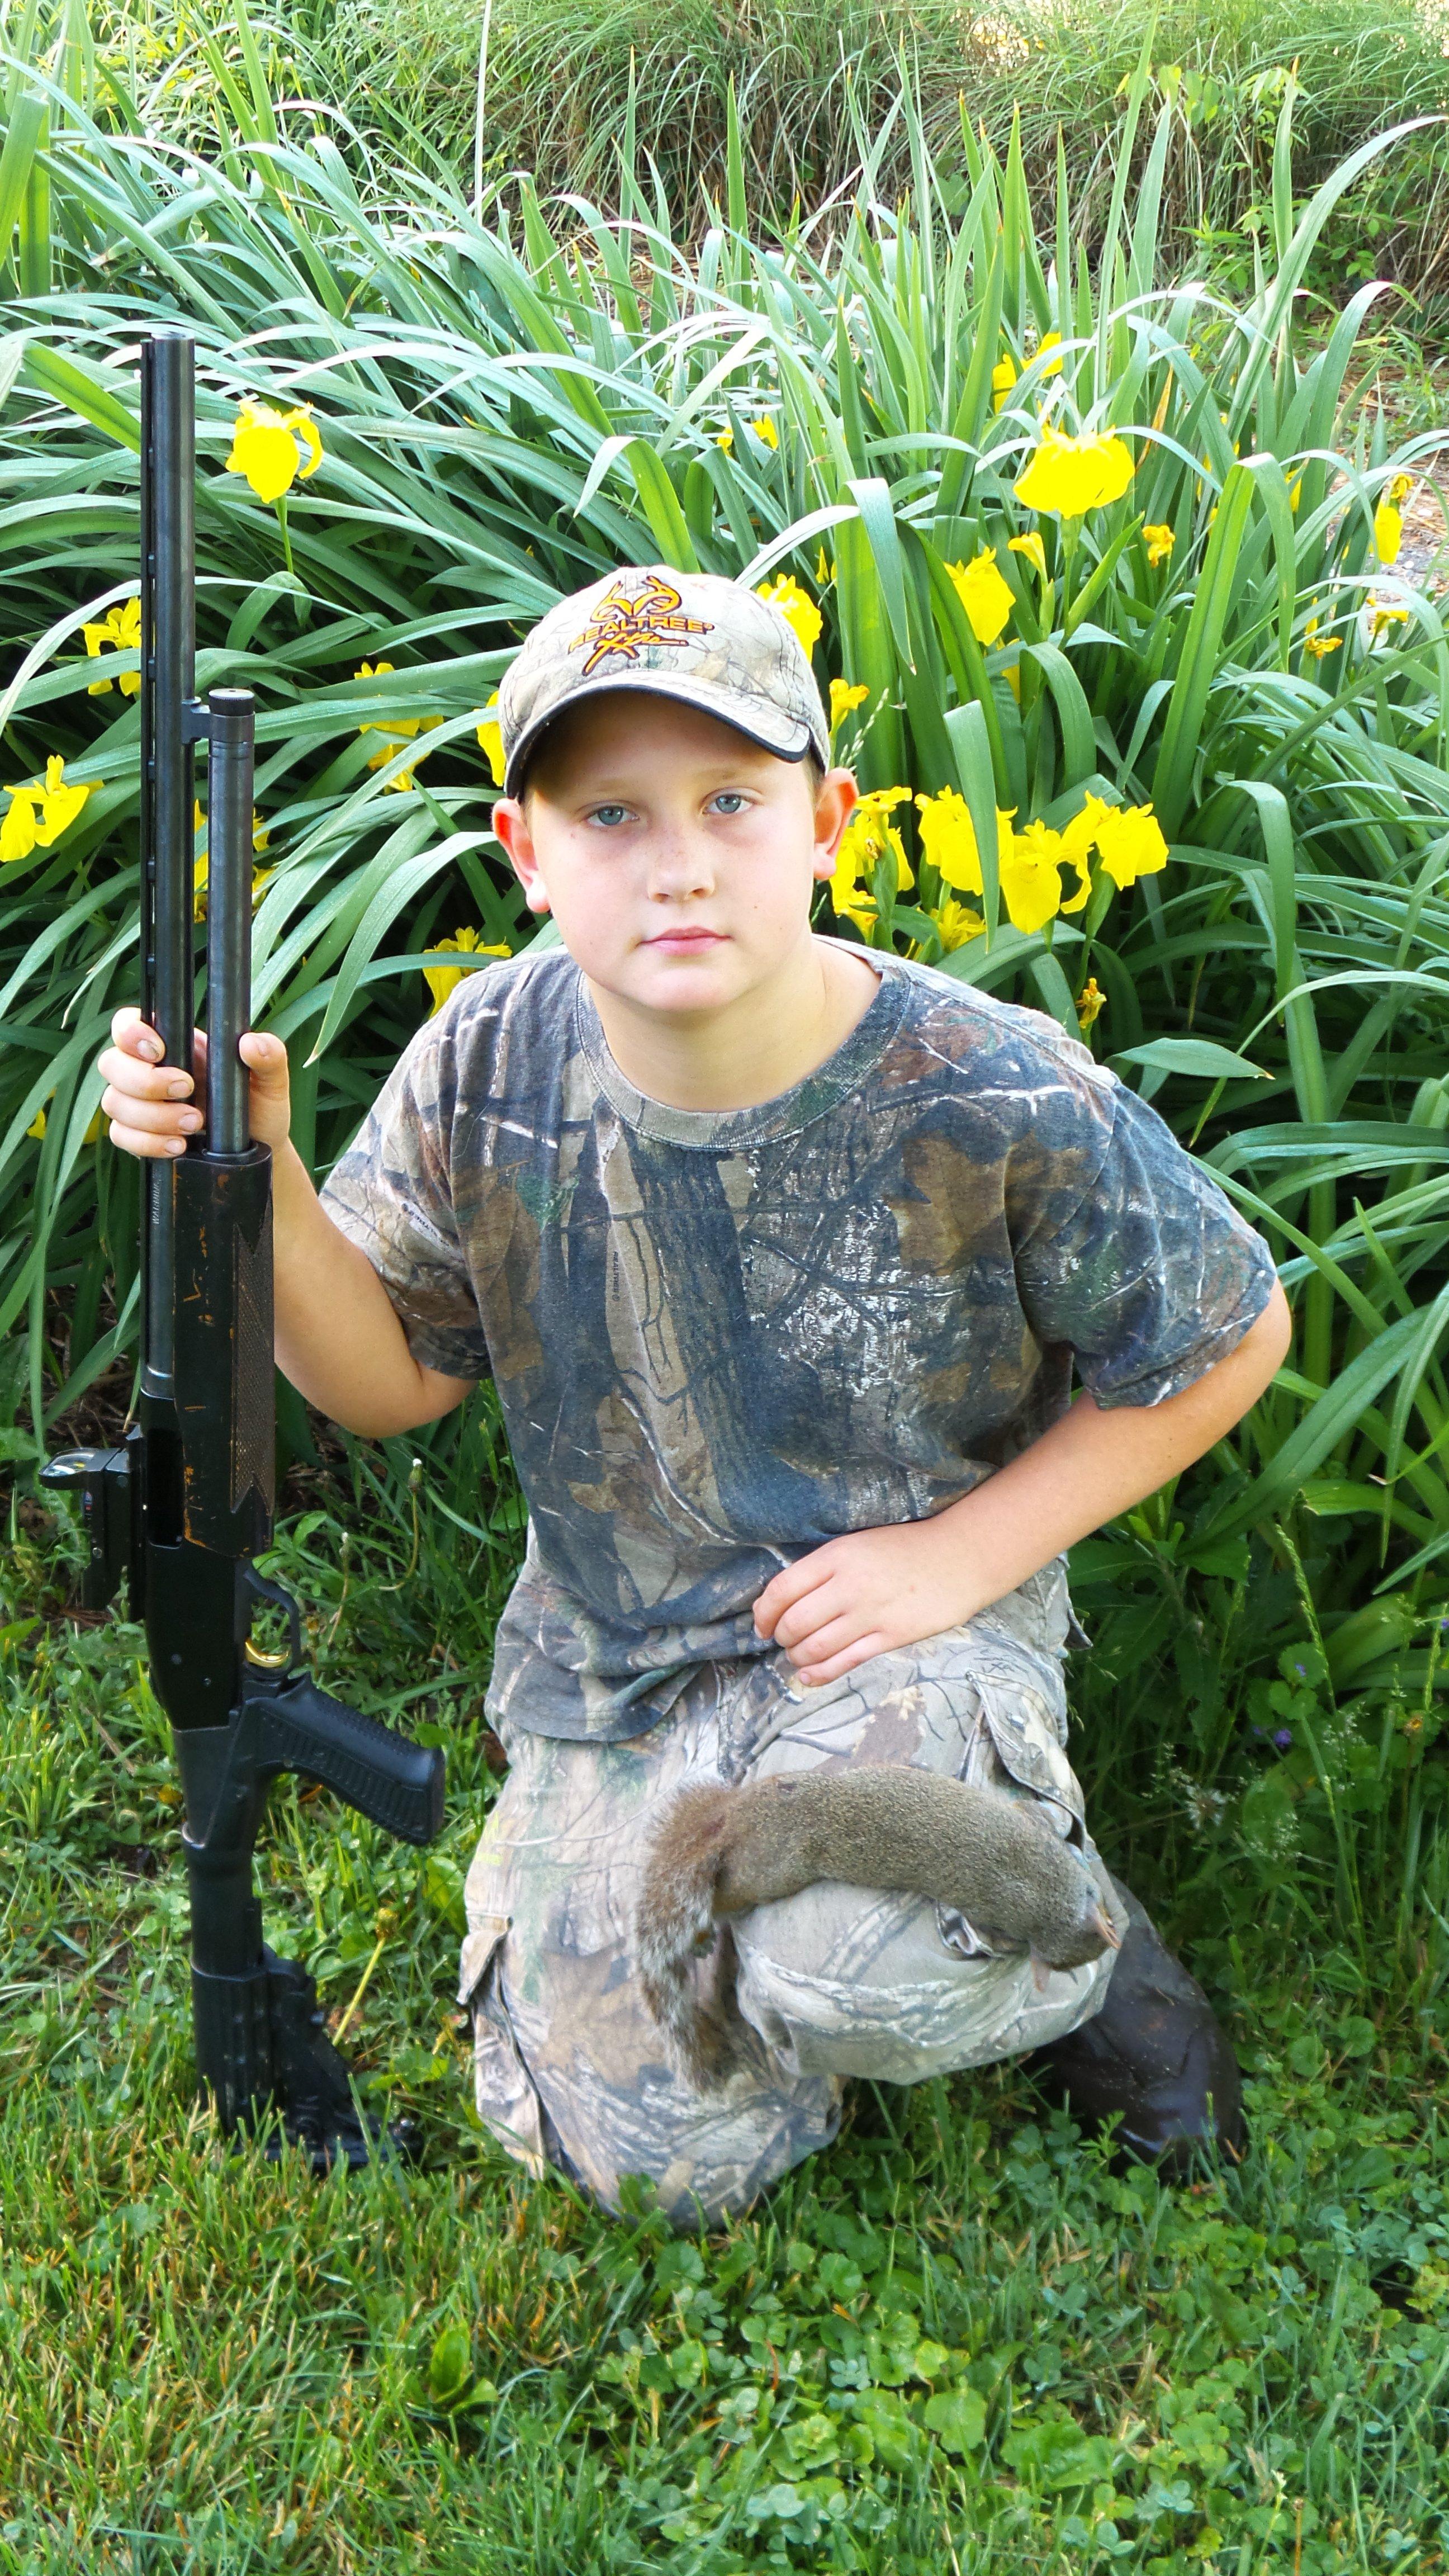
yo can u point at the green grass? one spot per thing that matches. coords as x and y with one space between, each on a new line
957 2332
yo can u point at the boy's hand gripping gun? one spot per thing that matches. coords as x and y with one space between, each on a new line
184 1504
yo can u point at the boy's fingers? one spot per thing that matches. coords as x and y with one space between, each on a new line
150 1117
789 1586
137 1140
819 1608
824 1637
845 1662
266 1058
133 1033
134 1079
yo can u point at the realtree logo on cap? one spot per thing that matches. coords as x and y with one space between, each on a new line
623 624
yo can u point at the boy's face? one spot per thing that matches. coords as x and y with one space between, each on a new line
677 859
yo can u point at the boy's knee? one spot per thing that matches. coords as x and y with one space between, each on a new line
840 1984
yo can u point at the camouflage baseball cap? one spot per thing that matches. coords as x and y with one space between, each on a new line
685 635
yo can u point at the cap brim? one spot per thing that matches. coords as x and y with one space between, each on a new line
788 740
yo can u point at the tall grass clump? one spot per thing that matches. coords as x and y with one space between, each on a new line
557 86
1097 568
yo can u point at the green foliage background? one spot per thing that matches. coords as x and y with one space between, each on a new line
512 396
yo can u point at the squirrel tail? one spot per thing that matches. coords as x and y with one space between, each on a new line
674 1928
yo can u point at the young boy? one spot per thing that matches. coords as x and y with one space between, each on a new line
780 1252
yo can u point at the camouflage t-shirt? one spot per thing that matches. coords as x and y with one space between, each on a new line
720 1339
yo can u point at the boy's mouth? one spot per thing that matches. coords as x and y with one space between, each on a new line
682 941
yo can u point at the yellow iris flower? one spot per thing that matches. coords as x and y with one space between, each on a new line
441 980
267 447
1031 885
1029 864
1130 843
984 593
1388 533
1074 475
395 731
1003 377
1033 547
948 839
1319 645
844 699
868 838
1159 541
796 607
1091 1002
765 428
37 815
118 632
955 923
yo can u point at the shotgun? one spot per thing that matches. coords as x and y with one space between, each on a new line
183 1505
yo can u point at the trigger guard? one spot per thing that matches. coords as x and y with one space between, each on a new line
262 1589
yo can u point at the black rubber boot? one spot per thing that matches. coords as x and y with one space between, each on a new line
1156 2053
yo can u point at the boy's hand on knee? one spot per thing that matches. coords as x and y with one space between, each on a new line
861 1595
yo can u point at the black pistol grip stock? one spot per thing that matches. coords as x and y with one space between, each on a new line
379 1772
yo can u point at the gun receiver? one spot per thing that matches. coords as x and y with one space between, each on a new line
185 1503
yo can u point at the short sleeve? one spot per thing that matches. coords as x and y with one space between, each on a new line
1151 1277
390 1194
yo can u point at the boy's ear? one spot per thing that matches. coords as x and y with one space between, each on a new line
834 806
510 822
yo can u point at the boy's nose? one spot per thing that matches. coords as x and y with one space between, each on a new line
679 866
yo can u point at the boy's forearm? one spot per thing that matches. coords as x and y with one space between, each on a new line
1096 1462
338 1336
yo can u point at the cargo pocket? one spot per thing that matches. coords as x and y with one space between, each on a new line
503 2087
1013 1744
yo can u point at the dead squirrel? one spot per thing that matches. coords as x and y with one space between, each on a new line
720 1851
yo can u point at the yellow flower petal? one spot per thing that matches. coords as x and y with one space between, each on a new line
490 740
1388 533
1003 377
264 449
36 1127
1159 542
1074 475
1031 885
796 607
844 699
867 839
725 438
1033 546
956 923
948 840
306 428
1130 843
984 593
1091 1002
442 980
1053 340
765 428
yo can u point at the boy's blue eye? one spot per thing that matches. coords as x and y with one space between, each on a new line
608 814
730 800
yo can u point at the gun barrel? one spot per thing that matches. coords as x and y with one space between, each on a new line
228 916
168 680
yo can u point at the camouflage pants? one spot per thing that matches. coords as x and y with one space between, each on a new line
837 1981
